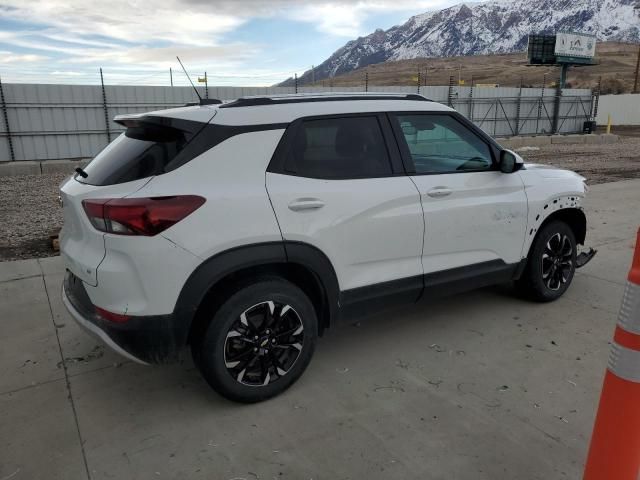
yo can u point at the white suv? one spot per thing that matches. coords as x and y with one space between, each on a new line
244 229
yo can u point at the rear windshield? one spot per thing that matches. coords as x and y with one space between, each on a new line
150 146
155 147
127 159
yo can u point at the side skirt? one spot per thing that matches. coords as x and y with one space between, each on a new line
371 299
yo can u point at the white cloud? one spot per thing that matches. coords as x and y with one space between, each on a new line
71 38
9 57
346 18
67 73
130 21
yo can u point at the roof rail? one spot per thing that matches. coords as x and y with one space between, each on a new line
310 98
204 101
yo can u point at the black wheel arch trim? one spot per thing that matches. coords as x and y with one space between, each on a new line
223 264
574 217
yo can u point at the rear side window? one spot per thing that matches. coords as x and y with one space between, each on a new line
339 148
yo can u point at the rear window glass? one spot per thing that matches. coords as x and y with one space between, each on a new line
127 159
339 148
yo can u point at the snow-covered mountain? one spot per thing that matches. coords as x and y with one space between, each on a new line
498 26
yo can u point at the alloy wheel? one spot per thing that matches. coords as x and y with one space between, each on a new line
557 261
263 344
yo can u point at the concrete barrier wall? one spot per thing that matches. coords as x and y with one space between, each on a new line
47 122
624 109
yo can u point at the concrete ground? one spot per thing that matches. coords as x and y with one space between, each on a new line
477 386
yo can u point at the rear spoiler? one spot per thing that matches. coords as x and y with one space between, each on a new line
142 120
157 128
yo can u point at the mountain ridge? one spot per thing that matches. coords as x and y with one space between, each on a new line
474 28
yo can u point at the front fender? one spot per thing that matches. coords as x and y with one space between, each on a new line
550 191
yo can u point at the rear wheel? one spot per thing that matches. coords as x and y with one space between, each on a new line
259 341
551 263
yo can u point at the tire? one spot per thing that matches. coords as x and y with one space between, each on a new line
244 369
551 263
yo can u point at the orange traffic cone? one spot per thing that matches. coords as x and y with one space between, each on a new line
614 453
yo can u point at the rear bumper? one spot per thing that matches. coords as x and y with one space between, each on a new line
145 340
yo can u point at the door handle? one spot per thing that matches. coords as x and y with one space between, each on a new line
439 192
306 204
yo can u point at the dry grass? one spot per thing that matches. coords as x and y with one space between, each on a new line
616 65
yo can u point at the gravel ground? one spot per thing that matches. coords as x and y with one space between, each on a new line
29 211
598 163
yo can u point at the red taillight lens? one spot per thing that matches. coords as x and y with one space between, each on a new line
139 216
112 317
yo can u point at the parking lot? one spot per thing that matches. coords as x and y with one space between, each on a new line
481 385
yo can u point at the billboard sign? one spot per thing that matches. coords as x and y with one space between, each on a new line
575 45
541 49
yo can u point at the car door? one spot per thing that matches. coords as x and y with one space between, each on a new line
475 215
336 184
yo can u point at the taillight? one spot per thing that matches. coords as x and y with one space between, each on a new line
139 216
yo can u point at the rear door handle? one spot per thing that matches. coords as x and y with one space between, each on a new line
439 192
306 204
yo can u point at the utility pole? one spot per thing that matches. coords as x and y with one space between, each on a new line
171 76
313 75
206 86
366 81
635 83
459 73
295 79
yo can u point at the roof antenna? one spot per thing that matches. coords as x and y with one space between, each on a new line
203 101
189 78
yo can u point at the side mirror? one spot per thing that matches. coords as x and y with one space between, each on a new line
510 161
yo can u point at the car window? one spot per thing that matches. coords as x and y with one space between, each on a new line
439 144
339 148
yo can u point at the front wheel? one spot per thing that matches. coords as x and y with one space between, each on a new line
259 341
551 263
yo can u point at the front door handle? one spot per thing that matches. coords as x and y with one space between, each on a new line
439 192
306 204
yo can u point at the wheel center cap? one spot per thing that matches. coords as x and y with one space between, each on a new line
264 342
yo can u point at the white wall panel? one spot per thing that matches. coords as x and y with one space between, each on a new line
68 121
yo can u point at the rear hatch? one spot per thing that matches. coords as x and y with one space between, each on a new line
151 145
81 245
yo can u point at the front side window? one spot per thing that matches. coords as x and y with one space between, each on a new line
339 148
441 144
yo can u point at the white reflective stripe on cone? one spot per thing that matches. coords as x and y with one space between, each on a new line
624 363
629 317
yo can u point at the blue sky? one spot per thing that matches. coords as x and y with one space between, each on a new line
237 42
